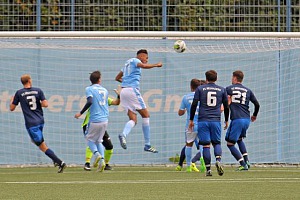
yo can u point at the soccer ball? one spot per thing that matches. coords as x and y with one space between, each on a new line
179 46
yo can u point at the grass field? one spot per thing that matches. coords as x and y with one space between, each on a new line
149 183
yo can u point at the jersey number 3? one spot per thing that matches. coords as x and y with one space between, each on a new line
31 102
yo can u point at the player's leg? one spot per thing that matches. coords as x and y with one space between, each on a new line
108 150
88 152
241 144
181 159
204 140
243 150
190 138
36 135
128 126
92 138
146 130
215 128
128 102
232 135
198 157
101 128
88 157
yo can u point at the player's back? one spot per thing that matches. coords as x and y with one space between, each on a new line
30 100
99 108
131 73
211 97
240 98
186 103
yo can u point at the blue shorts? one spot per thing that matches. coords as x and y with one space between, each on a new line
237 129
209 132
36 134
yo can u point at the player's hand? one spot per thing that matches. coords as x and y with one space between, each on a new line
191 126
226 125
118 90
159 64
77 115
253 118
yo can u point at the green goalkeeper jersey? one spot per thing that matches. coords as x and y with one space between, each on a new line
87 117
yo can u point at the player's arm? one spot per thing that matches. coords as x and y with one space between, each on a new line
149 66
256 109
192 114
12 106
44 103
226 110
119 77
87 105
117 100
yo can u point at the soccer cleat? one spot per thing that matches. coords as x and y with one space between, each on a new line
123 141
150 149
87 167
61 167
188 169
202 165
178 168
248 164
96 161
101 166
208 173
242 168
107 167
194 168
219 168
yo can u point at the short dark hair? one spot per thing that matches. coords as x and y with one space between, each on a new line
142 51
196 82
95 76
211 75
239 75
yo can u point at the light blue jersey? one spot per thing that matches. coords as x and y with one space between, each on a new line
186 103
131 73
99 108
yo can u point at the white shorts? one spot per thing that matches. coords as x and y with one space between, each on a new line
190 136
131 99
96 131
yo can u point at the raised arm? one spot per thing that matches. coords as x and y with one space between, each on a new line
149 66
119 77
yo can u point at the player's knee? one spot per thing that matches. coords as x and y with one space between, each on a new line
215 142
109 146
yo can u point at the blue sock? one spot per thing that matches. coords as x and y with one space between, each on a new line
218 152
196 157
128 126
182 156
188 155
52 155
146 130
236 154
243 149
93 146
100 149
207 157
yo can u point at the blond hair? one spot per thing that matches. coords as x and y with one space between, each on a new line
25 79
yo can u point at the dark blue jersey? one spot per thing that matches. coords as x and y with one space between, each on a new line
240 97
211 97
30 100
